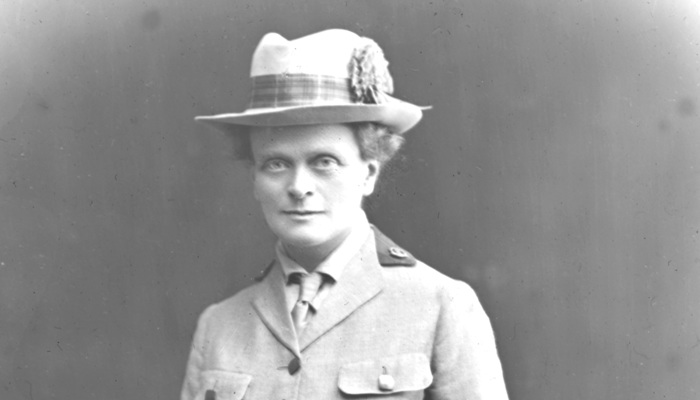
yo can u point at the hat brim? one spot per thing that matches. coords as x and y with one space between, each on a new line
397 115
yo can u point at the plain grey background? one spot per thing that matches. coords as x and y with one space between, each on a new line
558 174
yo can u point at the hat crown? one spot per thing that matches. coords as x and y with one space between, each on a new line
332 76
323 53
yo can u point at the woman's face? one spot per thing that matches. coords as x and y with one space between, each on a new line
310 181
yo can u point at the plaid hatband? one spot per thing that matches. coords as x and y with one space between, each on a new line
291 90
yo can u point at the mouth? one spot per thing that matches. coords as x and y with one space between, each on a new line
301 213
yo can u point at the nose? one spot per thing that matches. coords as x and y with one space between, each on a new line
301 184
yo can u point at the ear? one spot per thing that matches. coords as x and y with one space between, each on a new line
373 167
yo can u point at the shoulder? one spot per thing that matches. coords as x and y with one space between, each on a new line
223 318
238 304
389 254
430 285
240 298
245 295
403 272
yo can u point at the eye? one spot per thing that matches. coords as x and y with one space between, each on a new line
274 165
325 163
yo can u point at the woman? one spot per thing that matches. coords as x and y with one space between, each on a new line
342 312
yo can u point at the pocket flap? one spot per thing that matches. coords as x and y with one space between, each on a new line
406 372
227 385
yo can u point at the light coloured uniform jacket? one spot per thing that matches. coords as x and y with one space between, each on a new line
391 328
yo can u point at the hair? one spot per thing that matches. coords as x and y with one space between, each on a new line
376 142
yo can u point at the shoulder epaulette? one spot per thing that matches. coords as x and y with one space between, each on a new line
264 272
389 254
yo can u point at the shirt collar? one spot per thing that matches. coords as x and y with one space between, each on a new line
334 264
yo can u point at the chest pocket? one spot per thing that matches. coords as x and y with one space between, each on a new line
388 375
223 385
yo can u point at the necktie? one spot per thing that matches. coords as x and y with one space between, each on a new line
308 288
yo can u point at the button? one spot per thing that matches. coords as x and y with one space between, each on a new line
397 252
386 382
294 366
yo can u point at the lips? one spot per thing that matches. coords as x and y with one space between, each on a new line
301 212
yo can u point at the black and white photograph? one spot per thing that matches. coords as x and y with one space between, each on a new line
325 199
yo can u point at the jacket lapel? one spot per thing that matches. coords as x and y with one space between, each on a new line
271 306
361 281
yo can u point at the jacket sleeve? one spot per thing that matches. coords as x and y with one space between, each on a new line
465 362
195 363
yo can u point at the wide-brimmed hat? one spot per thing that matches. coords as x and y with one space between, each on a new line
333 76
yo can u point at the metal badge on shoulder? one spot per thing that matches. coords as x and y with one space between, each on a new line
389 253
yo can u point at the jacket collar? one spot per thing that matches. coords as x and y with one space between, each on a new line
361 281
271 306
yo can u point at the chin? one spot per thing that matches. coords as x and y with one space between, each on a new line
302 236
303 241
